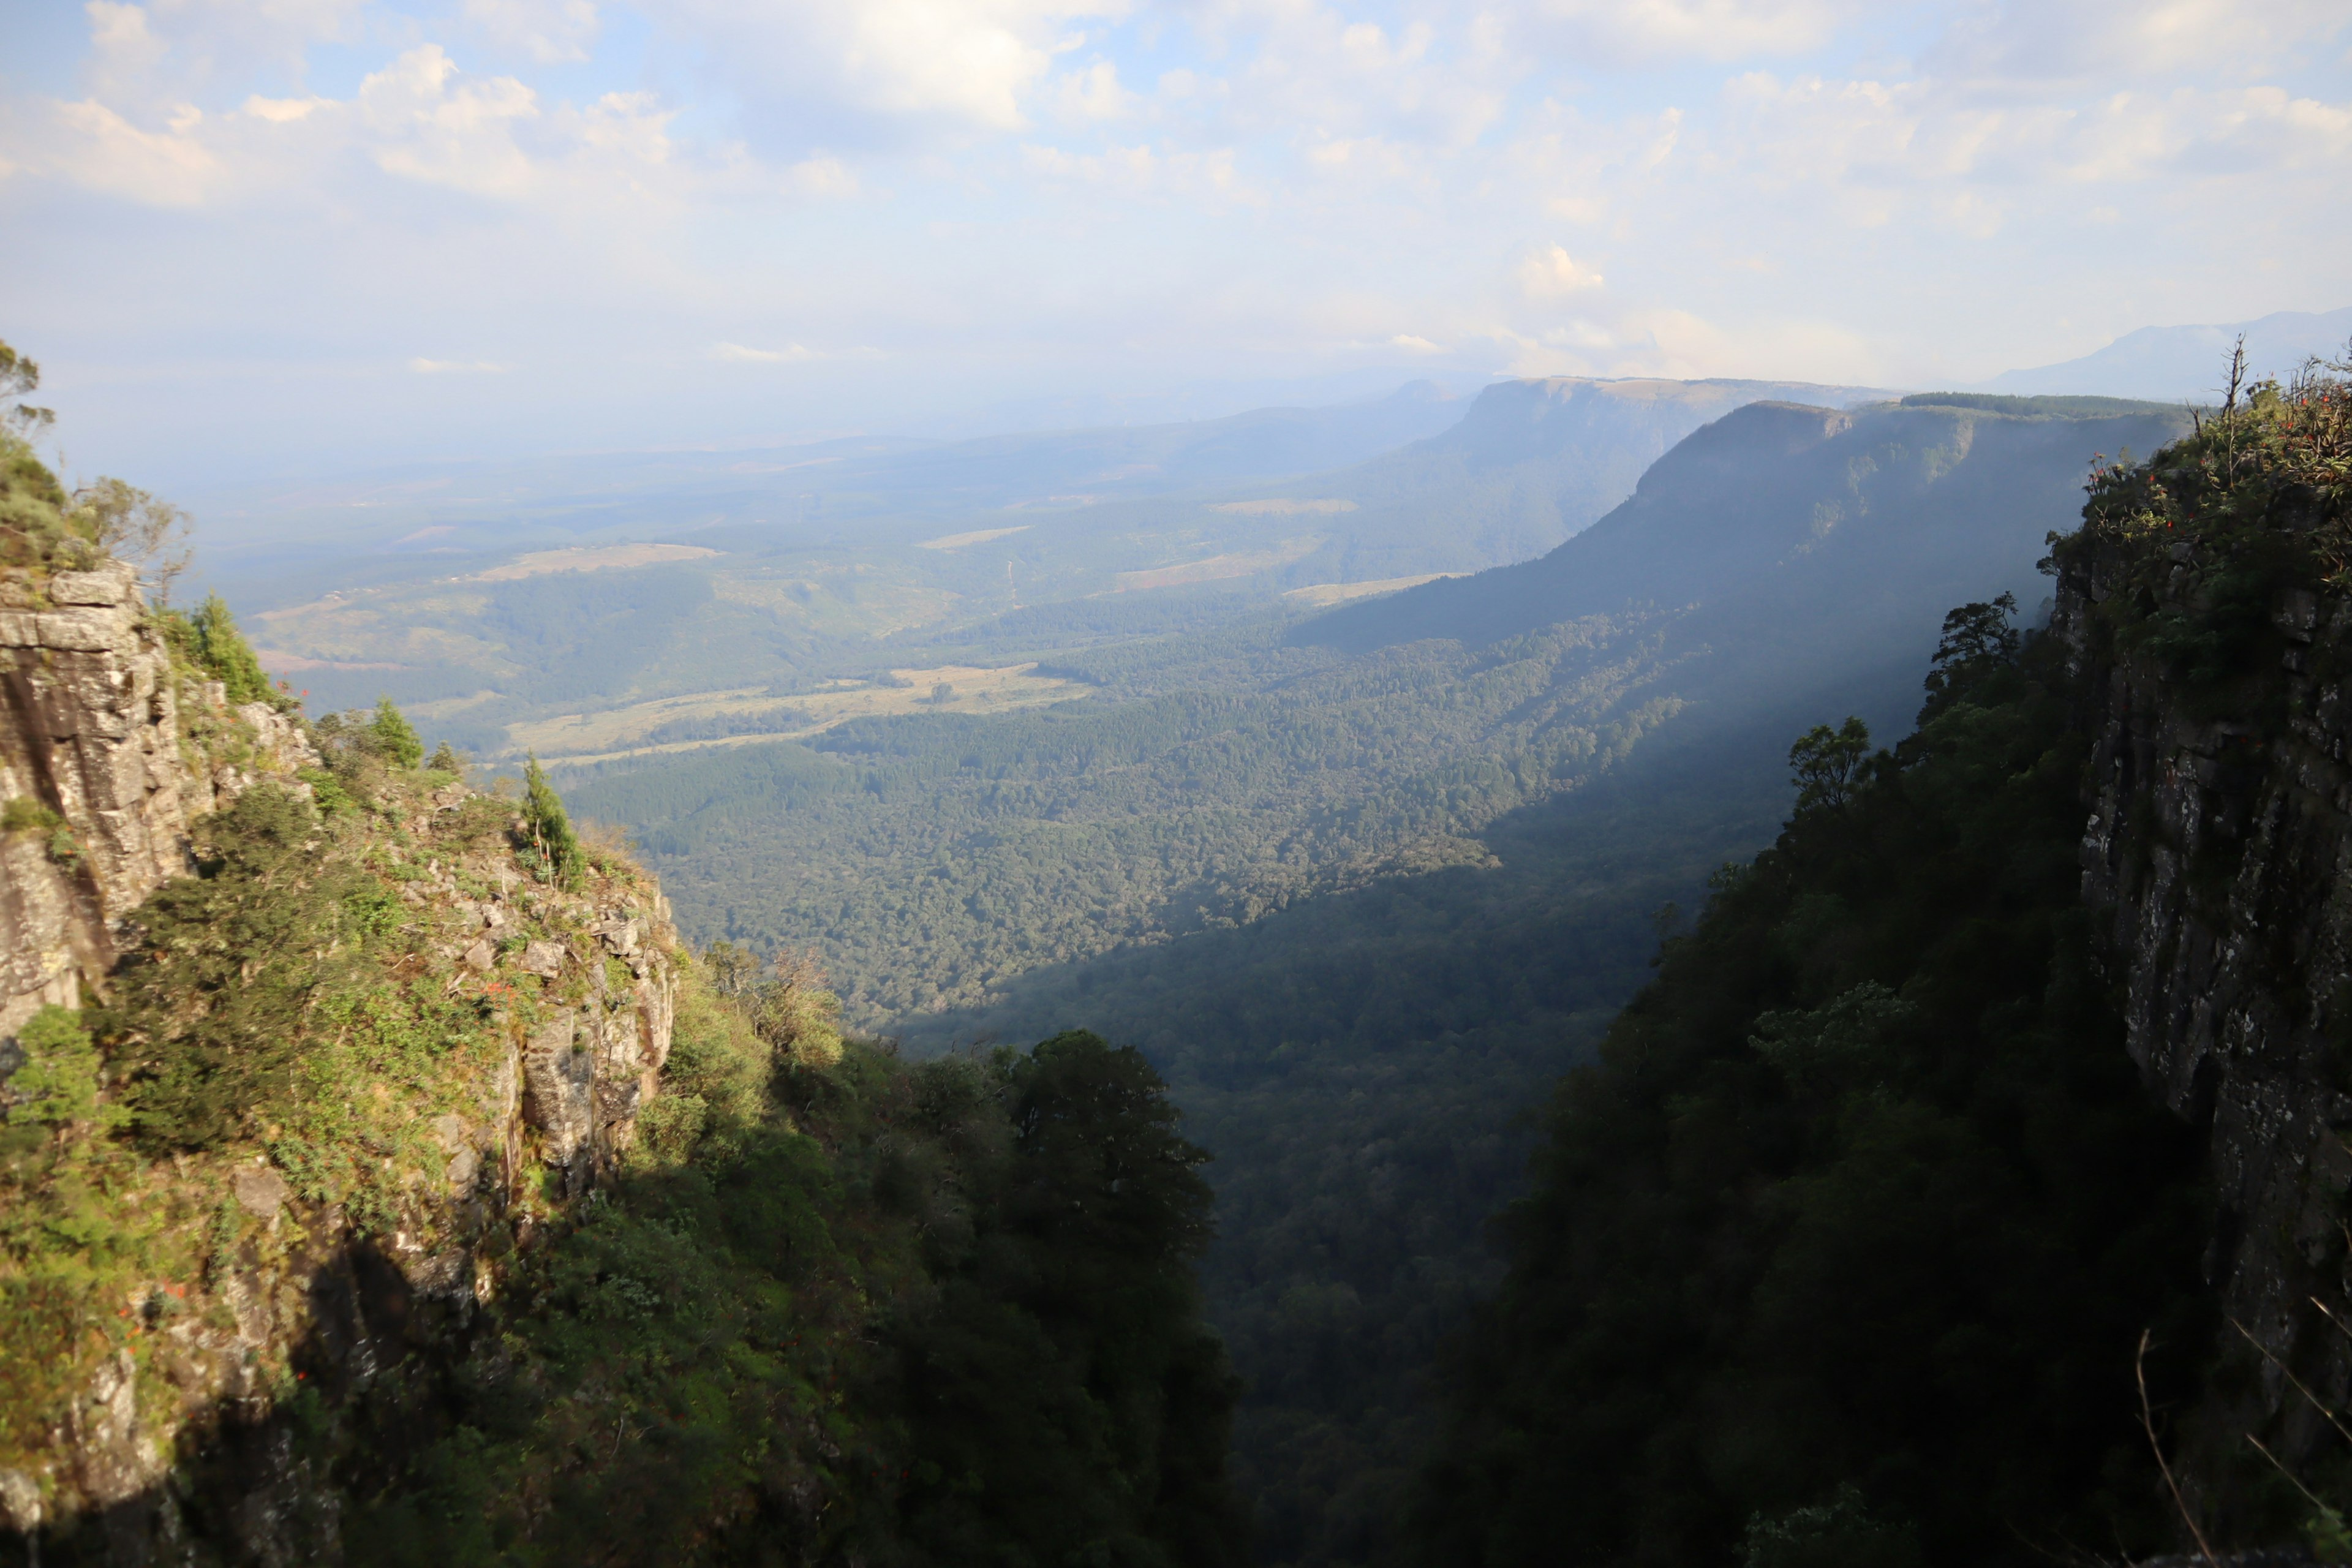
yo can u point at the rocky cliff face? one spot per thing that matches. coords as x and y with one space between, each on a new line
106 755
2219 856
472 1050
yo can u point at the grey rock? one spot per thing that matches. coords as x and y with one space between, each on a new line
108 585
260 1191
20 1499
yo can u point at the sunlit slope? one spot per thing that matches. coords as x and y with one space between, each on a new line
1786 564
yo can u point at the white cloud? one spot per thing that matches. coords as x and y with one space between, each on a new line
1093 94
2082 40
1649 30
283 110
546 30
433 126
1552 274
1115 194
970 63
421 366
92 145
738 353
1141 170
791 353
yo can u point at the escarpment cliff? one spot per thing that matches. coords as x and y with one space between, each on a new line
301 1044
109 751
2207 615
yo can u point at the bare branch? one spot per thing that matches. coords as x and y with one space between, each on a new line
2147 1425
2333 1420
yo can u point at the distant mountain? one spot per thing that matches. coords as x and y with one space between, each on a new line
978 552
1532 462
1798 526
818 492
2186 363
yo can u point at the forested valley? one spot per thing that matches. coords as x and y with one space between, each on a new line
1438 1079
1363 884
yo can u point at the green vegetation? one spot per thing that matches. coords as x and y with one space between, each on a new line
856 1312
64 1246
397 737
935 858
832 1307
2251 504
1843 1249
208 639
38 526
555 847
1361 908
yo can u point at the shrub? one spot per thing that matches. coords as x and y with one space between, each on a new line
395 736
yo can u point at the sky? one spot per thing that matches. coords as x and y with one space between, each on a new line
258 236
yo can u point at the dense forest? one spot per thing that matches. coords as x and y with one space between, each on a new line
1844 1249
1360 893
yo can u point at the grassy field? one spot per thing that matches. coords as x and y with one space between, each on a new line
971 690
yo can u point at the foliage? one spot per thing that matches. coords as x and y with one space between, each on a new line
209 638
273 1002
931 1315
37 524
789 1007
549 828
395 736
1828 763
2192 545
834 1309
19 375
67 1246
130 524
1842 1248
23 814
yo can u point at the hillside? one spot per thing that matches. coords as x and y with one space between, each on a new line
383 1182
1380 896
895 568
1979 1151
1779 561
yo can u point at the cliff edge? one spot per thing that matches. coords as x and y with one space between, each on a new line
2206 611
300 1041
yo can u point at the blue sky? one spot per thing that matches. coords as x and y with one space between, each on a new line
285 236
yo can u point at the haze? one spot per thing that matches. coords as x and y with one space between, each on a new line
295 237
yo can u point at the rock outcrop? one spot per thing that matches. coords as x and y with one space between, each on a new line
2218 855
283 1262
106 755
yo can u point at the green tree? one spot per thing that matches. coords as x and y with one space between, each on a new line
549 827
1838 1254
57 1086
1827 762
395 736
19 375
222 650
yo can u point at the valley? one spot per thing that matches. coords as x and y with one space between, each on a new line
1360 866
953 784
